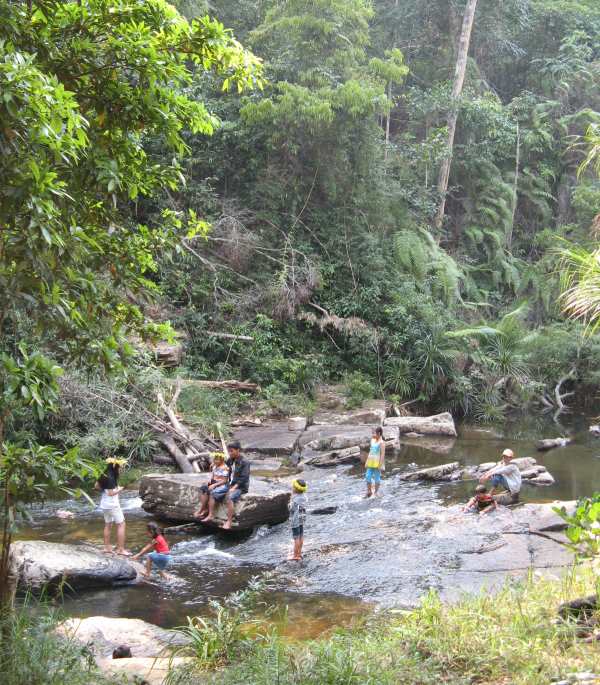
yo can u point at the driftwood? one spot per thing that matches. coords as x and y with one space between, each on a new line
230 336
243 386
192 457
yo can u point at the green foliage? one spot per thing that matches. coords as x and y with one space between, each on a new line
583 526
512 636
31 652
357 388
228 632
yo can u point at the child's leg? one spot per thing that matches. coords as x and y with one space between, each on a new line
148 567
121 537
377 479
368 477
107 545
300 544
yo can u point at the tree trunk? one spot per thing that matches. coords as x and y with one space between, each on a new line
515 190
459 79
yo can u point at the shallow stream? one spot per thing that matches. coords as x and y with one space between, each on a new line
387 551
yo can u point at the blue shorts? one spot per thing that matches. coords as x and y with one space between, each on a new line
219 492
161 561
373 475
498 479
298 532
234 495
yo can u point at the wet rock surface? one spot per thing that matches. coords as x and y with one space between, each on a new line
440 424
175 497
41 564
274 439
103 635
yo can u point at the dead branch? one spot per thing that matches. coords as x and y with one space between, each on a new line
242 386
230 336
557 394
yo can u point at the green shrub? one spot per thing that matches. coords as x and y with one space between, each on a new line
31 653
357 389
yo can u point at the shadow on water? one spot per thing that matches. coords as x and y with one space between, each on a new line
387 550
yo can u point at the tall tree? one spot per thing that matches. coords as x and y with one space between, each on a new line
459 79
83 86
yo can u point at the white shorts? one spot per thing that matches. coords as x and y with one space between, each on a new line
113 515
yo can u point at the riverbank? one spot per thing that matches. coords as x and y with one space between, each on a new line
511 638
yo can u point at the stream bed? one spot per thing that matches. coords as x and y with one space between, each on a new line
386 551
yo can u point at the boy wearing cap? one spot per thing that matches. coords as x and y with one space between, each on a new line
298 517
505 474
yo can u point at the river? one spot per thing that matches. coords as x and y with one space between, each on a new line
385 551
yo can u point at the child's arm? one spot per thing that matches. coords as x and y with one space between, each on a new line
382 461
116 491
144 549
469 504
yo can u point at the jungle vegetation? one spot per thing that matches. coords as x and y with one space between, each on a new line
394 195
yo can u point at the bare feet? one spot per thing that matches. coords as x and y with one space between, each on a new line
201 514
207 519
146 575
124 553
227 525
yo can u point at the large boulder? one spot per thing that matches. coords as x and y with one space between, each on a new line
331 438
531 471
372 412
41 564
151 647
175 497
103 634
440 424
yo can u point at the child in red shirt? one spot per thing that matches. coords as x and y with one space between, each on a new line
161 556
482 502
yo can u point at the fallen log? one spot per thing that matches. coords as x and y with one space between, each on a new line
168 442
230 336
551 443
241 386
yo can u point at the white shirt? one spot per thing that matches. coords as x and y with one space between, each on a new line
512 475
109 501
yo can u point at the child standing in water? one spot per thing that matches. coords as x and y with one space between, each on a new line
108 484
298 517
375 463
161 556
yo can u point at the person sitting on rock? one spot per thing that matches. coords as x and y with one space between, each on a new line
219 478
505 474
239 481
481 502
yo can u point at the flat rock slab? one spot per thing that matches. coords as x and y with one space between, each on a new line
41 564
328 438
431 443
440 424
274 439
372 412
175 497
102 635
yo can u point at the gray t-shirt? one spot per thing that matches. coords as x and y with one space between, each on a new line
298 510
512 475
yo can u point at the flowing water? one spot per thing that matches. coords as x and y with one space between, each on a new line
388 551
